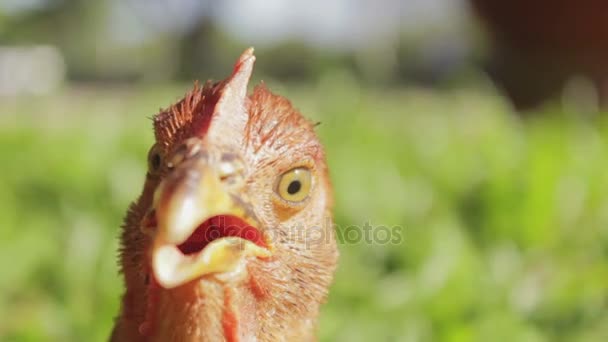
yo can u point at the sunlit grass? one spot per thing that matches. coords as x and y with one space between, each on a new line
504 221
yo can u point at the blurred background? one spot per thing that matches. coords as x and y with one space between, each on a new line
475 126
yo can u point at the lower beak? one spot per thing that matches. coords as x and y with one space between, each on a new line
187 198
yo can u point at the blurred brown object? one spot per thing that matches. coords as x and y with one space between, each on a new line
538 45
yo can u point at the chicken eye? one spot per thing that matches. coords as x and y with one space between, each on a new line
294 185
155 159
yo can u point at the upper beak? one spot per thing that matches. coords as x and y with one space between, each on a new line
192 193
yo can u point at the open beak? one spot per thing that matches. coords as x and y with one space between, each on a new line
201 227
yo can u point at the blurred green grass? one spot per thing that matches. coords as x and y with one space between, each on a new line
504 221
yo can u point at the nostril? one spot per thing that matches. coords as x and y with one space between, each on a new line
189 149
229 178
230 168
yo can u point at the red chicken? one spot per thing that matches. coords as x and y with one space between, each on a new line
231 238
539 45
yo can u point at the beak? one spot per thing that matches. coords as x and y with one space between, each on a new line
194 206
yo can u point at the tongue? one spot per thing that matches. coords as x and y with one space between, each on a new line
219 227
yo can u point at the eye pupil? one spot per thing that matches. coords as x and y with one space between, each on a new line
155 161
294 187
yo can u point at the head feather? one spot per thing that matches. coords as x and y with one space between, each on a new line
222 104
